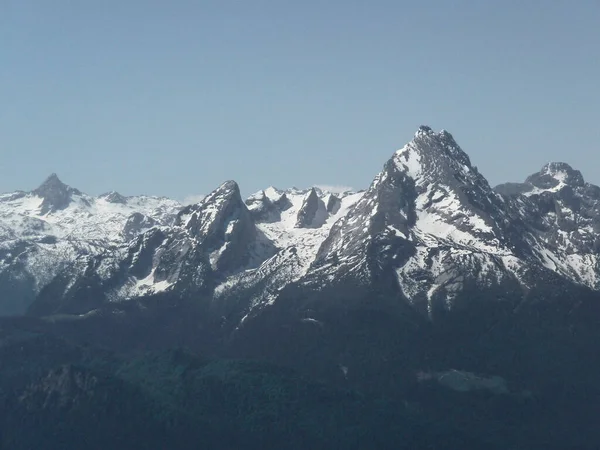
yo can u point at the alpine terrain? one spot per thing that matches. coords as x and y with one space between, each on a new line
476 307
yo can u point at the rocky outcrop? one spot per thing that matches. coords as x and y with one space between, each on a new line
55 194
313 212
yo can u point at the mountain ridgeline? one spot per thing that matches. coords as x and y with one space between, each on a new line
430 287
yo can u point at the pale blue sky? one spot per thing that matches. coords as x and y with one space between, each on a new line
172 98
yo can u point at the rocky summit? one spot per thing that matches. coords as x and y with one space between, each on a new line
430 220
430 275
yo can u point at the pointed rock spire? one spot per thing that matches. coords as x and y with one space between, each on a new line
333 204
216 209
223 228
50 183
56 195
427 190
313 212
432 147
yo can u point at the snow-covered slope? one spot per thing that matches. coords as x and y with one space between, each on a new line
306 220
209 242
430 217
219 247
429 221
44 231
434 220
109 218
564 212
298 223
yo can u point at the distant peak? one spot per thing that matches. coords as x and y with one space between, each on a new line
52 180
556 167
114 197
443 135
430 148
55 193
313 212
218 221
226 192
50 185
230 187
554 174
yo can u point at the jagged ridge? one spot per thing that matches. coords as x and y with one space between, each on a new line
429 217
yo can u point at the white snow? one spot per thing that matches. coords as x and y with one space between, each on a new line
88 226
305 240
86 218
450 233
410 159
298 246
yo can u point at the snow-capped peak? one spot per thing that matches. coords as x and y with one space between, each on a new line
428 211
50 228
114 197
432 154
429 217
222 225
313 212
52 182
55 194
450 198
213 211
555 175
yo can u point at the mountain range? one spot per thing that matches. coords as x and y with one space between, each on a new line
429 217
430 271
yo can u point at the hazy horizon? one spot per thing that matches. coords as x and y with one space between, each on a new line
157 99
194 198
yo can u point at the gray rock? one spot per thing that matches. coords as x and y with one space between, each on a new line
313 212
137 223
56 195
333 204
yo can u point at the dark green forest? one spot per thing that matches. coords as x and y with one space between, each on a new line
56 395
60 396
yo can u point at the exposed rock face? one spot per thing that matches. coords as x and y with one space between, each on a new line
265 209
56 195
262 209
223 226
45 232
209 241
434 222
136 223
430 228
333 204
564 212
313 212
430 222
428 268
555 173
